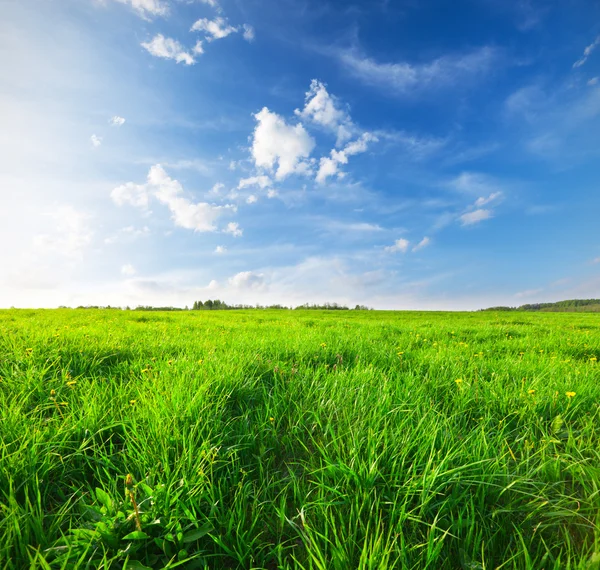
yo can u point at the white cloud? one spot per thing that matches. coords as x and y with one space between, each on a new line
423 243
323 109
214 29
131 193
400 245
247 280
277 143
587 52
252 199
272 193
329 166
249 34
482 201
128 270
261 181
148 7
474 184
234 229
96 141
212 3
200 217
117 121
198 49
475 217
405 77
220 249
168 48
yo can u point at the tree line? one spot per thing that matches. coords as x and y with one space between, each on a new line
570 305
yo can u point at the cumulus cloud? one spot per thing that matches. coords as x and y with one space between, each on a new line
247 280
168 48
272 193
423 243
146 8
275 143
587 52
117 121
248 33
200 217
474 217
214 29
404 77
252 199
128 270
96 141
400 245
329 166
261 181
323 109
234 229
130 193
220 249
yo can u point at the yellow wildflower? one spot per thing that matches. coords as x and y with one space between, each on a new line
570 394
132 402
323 344
458 380
71 382
593 359
271 419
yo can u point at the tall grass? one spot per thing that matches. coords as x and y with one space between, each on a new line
297 439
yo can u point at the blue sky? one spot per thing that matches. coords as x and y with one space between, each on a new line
403 155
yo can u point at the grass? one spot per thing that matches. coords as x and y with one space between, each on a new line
304 439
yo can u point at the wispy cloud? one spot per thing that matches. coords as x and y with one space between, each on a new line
404 77
400 245
147 8
476 216
216 29
587 52
168 48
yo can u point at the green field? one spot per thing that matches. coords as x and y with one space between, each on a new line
299 439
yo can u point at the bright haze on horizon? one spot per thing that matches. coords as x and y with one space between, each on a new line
439 155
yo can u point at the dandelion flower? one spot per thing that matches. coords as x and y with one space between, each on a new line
570 394
593 359
458 380
531 391
271 419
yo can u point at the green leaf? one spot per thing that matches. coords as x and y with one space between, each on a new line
136 535
104 498
197 533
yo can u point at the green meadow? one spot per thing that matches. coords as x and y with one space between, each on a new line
325 440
